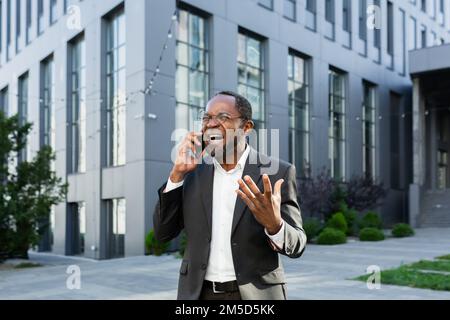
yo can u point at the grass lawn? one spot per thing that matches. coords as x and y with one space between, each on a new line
423 274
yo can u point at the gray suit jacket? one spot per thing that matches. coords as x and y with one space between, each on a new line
258 268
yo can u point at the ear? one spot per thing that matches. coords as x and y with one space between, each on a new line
249 125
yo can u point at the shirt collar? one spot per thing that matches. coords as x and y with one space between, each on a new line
241 163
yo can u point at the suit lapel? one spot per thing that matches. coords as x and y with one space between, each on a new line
252 170
206 179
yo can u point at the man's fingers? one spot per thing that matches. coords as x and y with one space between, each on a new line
193 138
252 185
246 190
267 186
247 201
277 187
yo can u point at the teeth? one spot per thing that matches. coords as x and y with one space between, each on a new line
215 137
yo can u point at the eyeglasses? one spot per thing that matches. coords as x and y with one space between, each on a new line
222 118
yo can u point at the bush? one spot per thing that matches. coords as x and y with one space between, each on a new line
371 234
312 227
350 217
321 194
153 246
331 236
401 230
370 220
337 221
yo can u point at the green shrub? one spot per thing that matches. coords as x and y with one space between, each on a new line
312 227
371 234
350 217
370 220
331 236
337 221
401 230
153 246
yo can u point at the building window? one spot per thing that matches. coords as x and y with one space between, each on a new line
266 4
329 10
347 15
337 130
53 13
192 75
77 106
390 28
311 6
299 106
403 41
47 103
311 9
376 31
22 107
251 75
77 223
116 227
423 36
362 20
8 30
442 169
115 90
368 128
412 34
4 101
29 21
1 32
40 17
18 26
423 5
290 8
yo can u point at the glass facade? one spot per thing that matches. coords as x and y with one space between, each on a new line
22 104
116 227
299 106
192 73
48 103
337 127
115 90
77 106
368 128
4 101
251 75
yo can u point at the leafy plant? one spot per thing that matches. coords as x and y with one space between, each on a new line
331 236
401 230
28 190
337 221
371 234
153 246
322 195
370 220
312 227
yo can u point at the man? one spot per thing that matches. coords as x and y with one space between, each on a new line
235 222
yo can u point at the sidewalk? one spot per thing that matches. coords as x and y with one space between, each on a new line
321 273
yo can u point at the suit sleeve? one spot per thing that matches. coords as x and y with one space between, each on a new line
294 235
168 216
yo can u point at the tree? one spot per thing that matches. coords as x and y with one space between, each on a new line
28 190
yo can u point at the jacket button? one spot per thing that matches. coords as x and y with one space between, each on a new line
234 244
209 239
203 266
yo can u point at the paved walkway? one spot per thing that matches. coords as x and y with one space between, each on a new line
321 273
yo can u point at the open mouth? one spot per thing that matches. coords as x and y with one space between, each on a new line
215 137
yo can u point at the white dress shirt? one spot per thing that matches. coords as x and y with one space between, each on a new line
220 265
